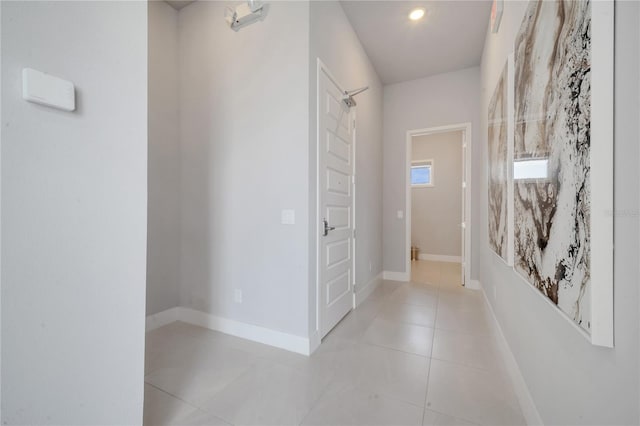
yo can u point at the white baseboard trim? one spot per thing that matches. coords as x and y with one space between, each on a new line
365 291
162 318
528 407
473 285
396 276
314 342
251 332
440 257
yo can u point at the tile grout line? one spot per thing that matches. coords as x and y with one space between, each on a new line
426 395
455 417
324 392
471 367
208 411
172 395
385 304
192 405
394 349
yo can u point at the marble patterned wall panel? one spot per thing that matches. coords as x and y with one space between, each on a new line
498 168
552 122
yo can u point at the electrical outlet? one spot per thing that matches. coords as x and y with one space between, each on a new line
400 214
237 295
370 266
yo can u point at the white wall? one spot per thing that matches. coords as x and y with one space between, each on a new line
333 40
440 100
1 215
244 132
436 211
74 189
163 240
571 381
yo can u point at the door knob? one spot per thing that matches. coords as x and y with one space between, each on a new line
327 228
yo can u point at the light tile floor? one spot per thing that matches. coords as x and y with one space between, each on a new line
419 353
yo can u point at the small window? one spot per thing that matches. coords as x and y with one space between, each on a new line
422 173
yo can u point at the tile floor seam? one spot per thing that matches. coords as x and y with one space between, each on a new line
462 364
458 417
315 403
471 367
218 392
412 304
394 349
365 390
466 333
387 303
324 391
426 395
406 323
173 396
150 372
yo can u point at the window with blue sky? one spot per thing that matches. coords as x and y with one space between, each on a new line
422 173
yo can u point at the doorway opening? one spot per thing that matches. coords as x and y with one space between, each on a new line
438 233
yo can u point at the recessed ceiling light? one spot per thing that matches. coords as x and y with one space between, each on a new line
416 14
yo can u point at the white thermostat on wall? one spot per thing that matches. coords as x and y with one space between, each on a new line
45 89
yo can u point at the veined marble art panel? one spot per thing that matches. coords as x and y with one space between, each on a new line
499 167
552 155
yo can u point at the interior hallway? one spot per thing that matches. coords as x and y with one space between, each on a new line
446 274
412 353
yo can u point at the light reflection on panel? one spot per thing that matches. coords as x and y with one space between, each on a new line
530 169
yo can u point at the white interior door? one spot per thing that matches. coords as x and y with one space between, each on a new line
336 123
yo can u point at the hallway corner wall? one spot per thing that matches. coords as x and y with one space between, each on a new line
570 380
163 227
74 215
244 129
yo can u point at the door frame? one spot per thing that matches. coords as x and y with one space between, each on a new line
322 68
466 180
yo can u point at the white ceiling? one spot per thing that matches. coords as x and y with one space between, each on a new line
450 36
179 4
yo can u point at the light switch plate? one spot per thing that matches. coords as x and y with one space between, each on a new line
288 217
400 214
45 89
